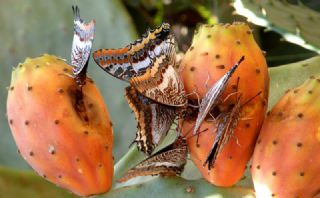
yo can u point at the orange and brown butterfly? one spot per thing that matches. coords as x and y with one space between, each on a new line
148 64
81 46
227 121
169 161
154 120
132 60
163 90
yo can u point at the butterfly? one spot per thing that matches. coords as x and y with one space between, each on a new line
81 46
157 90
168 161
211 99
155 87
226 123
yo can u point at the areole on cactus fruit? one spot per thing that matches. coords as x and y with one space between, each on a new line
66 137
286 161
214 50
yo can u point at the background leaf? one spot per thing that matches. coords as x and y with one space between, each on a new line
294 22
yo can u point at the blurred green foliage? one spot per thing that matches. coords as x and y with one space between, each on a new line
294 22
17 184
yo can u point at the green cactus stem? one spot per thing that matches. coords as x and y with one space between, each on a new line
296 23
16 184
291 75
177 187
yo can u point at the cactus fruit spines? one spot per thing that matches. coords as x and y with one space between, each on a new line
213 51
66 148
286 161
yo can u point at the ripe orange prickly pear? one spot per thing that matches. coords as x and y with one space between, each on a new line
214 50
285 160
63 143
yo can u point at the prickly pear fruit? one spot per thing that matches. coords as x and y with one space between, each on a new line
213 52
65 138
286 161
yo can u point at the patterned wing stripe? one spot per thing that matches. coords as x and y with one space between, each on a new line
132 60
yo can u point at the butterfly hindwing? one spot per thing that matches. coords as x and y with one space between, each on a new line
154 120
161 82
168 161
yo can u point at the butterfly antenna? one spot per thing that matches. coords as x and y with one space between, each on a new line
253 97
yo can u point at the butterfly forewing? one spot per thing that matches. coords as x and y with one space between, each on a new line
168 161
82 42
154 120
211 99
132 60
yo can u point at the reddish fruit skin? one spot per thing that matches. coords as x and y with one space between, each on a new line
50 135
286 162
213 52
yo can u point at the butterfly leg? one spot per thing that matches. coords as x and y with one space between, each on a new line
206 84
197 95
67 74
246 118
236 139
212 118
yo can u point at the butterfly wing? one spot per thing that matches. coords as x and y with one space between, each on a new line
82 42
154 120
168 161
160 82
212 97
133 59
